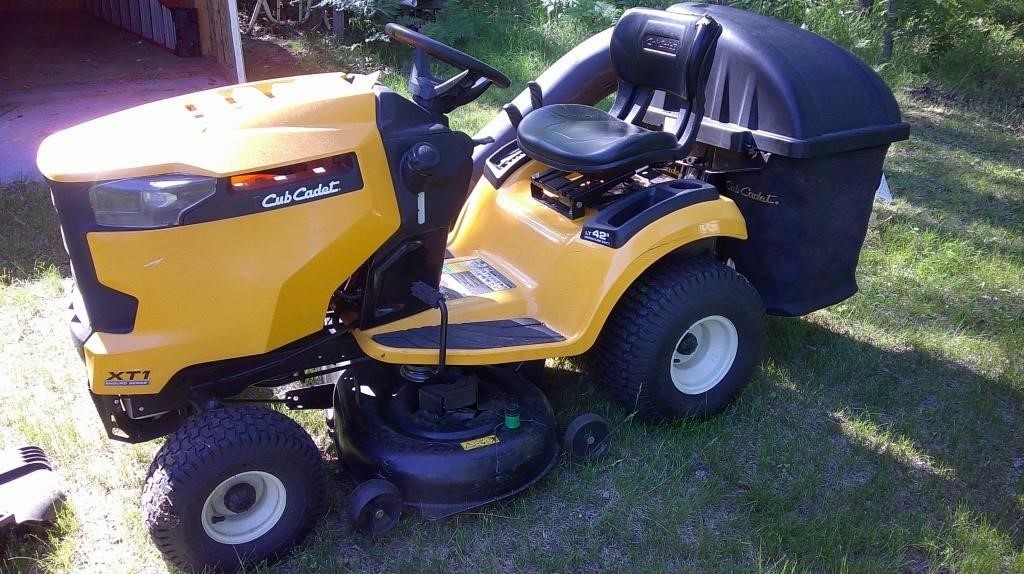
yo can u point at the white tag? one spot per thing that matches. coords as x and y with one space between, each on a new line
883 192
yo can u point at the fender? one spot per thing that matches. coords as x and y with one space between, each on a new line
684 231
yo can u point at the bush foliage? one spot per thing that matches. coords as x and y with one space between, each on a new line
971 47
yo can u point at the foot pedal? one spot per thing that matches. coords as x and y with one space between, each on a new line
569 193
435 298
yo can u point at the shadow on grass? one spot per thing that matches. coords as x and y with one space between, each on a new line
29 235
24 548
960 170
1006 245
982 315
39 547
962 194
918 433
841 452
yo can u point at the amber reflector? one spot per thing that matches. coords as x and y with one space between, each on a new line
292 174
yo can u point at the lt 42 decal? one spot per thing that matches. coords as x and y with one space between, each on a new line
126 379
597 236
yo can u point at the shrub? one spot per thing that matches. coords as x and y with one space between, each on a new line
987 57
968 46
367 17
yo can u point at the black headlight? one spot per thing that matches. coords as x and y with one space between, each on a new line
148 202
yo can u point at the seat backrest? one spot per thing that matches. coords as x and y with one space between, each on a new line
653 51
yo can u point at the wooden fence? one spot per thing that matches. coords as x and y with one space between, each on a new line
147 18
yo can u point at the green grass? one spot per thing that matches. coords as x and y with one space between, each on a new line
885 433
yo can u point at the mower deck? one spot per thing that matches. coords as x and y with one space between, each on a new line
445 443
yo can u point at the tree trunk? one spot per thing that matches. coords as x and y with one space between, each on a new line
338 21
890 23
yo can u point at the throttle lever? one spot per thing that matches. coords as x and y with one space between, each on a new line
514 115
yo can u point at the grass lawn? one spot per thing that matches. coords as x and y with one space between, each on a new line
885 433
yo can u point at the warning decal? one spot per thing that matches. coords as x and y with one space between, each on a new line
479 442
471 277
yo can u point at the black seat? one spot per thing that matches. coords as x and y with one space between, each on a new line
652 51
572 137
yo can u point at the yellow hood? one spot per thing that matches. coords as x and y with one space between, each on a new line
217 132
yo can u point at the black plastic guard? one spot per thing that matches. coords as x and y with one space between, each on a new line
122 428
618 223
29 489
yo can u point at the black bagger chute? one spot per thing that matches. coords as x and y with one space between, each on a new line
796 130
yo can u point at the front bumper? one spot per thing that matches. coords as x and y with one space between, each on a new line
123 428
116 420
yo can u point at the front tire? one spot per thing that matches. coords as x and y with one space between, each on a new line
683 341
233 486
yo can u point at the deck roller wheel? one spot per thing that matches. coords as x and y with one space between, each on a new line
587 437
375 507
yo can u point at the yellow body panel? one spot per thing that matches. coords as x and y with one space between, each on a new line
244 285
224 131
569 284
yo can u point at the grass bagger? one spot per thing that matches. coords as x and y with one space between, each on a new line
325 228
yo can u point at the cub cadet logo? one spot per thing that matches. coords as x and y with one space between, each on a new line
770 199
597 236
126 379
301 194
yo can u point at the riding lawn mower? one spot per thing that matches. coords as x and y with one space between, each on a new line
325 228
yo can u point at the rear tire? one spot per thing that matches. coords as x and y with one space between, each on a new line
233 486
683 341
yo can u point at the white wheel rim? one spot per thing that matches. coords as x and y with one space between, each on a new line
703 355
228 527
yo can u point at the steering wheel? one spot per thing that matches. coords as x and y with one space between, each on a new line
438 96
